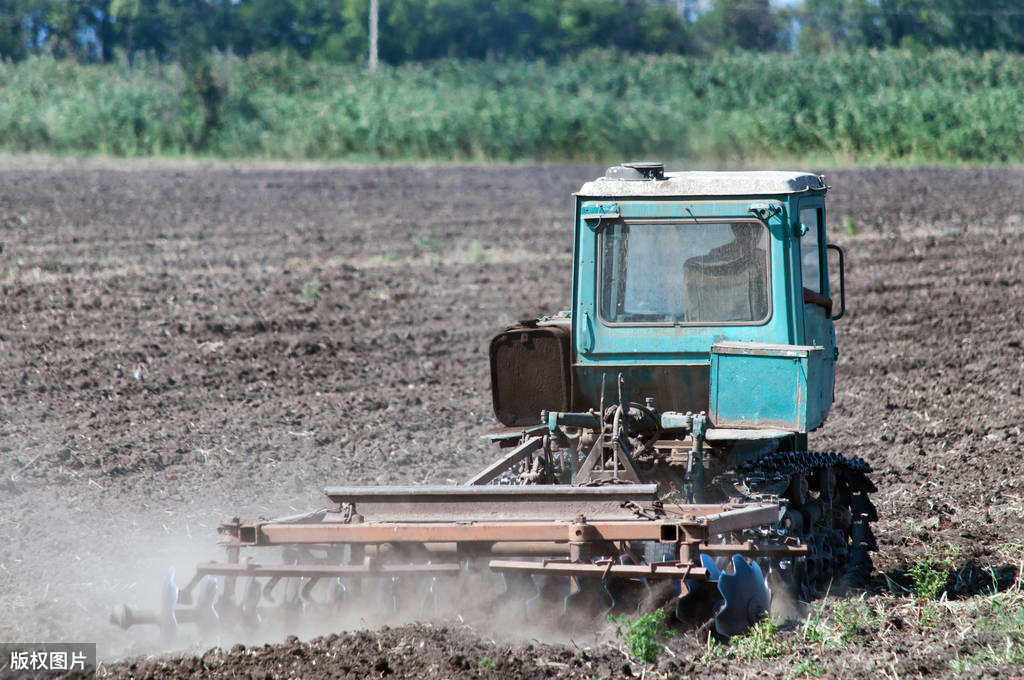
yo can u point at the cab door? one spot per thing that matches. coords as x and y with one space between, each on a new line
819 330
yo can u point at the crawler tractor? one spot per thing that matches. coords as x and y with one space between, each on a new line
654 440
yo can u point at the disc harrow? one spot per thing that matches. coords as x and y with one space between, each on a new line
558 548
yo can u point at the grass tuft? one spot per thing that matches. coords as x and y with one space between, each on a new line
643 637
930 574
311 293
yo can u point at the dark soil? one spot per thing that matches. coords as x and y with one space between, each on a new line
181 343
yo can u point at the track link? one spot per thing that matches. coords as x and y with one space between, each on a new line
828 508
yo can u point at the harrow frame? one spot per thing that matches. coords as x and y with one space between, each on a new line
573 528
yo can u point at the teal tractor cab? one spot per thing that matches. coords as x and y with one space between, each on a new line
699 352
705 296
656 434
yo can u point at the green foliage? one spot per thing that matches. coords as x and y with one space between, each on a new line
815 630
894 106
999 618
644 636
476 252
849 225
741 25
928 579
311 293
759 643
485 663
930 573
428 242
808 669
416 30
186 32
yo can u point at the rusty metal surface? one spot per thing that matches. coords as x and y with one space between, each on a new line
457 550
530 371
367 568
487 503
742 518
721 519
495 469
470 532
603 569
751 549
682 523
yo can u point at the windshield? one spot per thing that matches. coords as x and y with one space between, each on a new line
696 273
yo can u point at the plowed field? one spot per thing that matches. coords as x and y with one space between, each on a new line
182 343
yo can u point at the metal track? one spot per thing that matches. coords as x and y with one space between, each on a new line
842 505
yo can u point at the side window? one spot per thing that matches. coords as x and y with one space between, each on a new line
810 253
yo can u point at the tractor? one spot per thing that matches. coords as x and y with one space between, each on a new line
653 448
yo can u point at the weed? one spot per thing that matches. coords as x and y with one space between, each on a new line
642 637
808 669
389 256
485 662
849 225
852 618
476 252
311 293
1011 653
928 579
813 630
930 573
713 651
429 242
929 613
759 643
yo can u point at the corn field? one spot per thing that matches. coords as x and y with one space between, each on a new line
864 107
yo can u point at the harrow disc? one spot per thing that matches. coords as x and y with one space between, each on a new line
746 597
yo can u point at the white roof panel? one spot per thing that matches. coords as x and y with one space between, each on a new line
746 183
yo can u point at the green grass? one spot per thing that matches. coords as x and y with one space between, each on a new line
760 642
893 107
997 623
930 573
311 293
981 634
643 637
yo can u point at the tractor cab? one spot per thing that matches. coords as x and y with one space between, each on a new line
693 292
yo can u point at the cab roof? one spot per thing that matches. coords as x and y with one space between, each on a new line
625 180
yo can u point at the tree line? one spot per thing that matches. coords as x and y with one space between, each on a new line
187 31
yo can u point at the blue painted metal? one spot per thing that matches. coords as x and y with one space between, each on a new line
761 385
514 434
673 420
738 390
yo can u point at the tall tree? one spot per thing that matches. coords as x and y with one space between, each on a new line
13 37
741 25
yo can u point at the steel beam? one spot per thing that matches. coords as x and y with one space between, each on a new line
751 549
467 532
606 569
368 568
483 503
517 455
